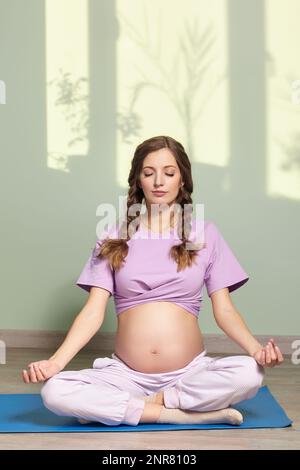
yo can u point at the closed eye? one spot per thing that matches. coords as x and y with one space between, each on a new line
167 174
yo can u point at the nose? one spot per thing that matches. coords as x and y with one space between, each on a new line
158 181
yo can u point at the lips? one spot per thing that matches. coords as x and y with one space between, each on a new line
159 193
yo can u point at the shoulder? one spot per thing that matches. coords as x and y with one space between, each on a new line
211 228
206 234
207 228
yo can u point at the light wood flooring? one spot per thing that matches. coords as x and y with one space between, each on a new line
283 381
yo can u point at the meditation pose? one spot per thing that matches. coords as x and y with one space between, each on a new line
156 267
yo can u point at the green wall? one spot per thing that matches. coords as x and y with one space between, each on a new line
48 214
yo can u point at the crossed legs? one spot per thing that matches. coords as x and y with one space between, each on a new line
204 394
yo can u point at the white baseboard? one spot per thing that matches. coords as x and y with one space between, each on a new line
214 343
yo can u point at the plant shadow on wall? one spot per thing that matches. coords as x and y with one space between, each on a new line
287 99
292 154
73 99
193 58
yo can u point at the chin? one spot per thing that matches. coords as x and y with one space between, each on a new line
160 201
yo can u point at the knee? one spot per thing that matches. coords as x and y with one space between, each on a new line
250 376
51 394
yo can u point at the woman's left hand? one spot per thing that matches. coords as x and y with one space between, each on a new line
269 356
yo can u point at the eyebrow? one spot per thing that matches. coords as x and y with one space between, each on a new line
154 168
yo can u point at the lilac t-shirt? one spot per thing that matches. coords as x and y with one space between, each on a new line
149 274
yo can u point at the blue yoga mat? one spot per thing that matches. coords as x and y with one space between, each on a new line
24 412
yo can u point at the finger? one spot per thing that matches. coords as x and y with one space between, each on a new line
28 376
268 356
32 374
272 341
273 353
263 356
279 355
38 372
25 376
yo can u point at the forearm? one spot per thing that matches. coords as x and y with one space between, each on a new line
84 327
234 326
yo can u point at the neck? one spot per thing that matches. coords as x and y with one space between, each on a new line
158 222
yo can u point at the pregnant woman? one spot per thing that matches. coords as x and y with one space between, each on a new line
155 270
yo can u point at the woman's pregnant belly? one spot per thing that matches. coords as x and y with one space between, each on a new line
157 337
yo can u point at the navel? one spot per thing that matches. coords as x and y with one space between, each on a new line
154 351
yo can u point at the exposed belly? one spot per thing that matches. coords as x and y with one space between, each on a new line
157 337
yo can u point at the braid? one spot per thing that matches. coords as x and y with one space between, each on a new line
132 200
116 250
179 253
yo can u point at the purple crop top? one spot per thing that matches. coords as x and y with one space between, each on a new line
150 275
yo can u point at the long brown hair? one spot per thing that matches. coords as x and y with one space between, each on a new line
116 250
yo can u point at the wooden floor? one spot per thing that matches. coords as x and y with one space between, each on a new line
283 381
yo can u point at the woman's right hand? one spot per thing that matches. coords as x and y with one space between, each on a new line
40 371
